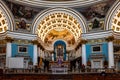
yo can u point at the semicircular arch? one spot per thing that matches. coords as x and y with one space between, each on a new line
59 18
112 20
6 18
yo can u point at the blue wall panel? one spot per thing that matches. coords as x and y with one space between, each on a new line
88 51
30 51
104 51
15 50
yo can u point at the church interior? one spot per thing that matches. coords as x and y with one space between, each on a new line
60 37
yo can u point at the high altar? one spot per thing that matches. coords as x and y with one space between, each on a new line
60 64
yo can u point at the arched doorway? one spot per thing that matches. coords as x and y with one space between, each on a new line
59 50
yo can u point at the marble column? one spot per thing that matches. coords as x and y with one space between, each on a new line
83 42
8 53
84 54
52 56
110 39
35 52
35 59
66 56
8 49
110 55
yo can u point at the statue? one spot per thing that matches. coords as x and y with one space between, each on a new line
22 24
96 24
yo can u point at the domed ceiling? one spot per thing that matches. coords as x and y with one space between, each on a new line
58 25
3 22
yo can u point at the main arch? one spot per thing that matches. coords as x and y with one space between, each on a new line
59 20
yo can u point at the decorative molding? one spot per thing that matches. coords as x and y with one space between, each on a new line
44 3
97 35
18 35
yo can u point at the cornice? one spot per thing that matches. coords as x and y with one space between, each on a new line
43 3
17 35
96 35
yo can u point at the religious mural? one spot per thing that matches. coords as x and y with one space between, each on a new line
98 10
22 25
96 24
95 14
65 35
23 15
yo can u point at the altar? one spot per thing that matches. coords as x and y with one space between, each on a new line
59 69
60 64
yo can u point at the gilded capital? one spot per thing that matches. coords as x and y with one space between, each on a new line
109 38
83 41
35 42
9 39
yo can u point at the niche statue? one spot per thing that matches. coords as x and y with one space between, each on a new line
96 24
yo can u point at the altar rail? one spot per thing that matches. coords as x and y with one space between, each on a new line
81 76
39 71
